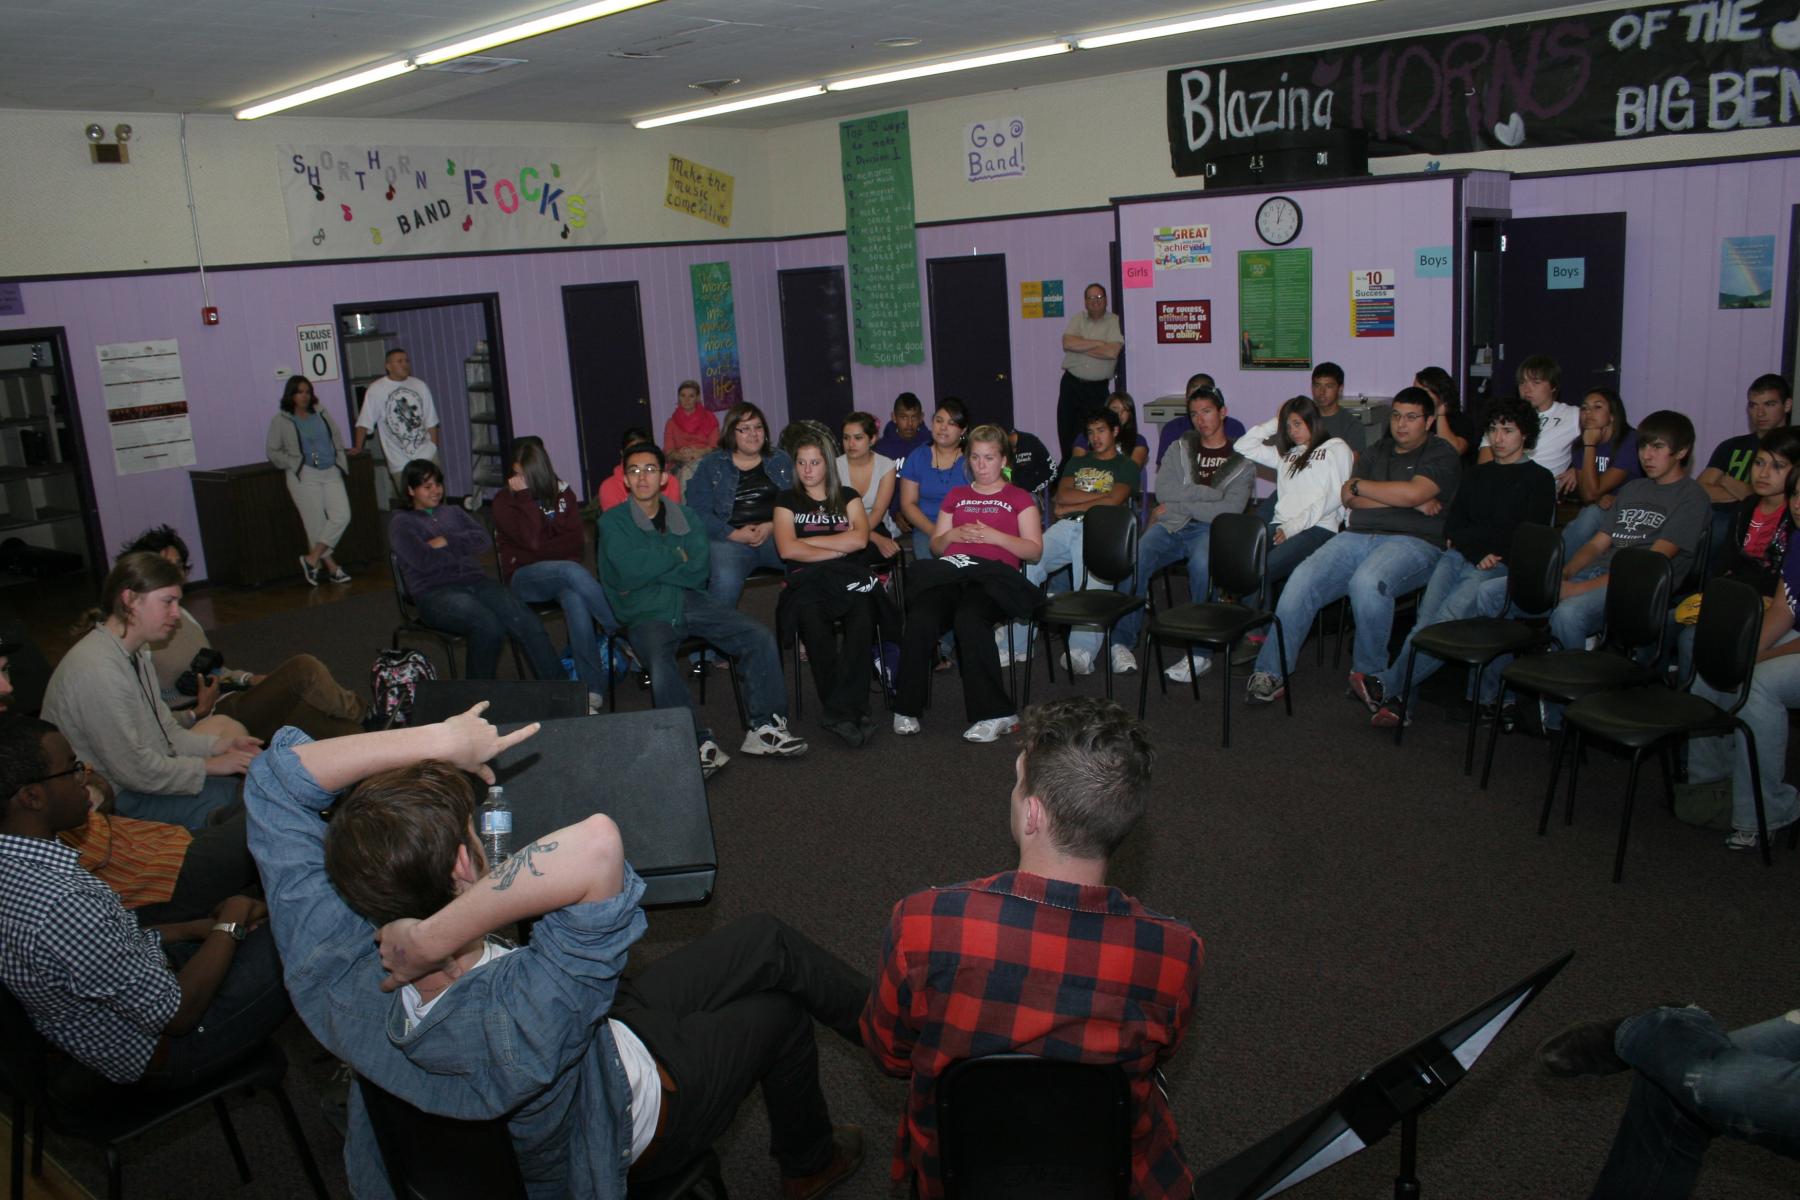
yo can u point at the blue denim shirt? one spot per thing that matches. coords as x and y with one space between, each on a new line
523 1037
713 488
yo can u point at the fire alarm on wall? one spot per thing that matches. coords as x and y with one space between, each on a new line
209 315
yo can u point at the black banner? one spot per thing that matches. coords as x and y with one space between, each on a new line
1599 77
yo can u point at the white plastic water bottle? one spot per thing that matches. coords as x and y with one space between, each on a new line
496 826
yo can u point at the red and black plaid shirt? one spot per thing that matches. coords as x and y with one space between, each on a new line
1017 962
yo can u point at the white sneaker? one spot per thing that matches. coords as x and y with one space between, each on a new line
987 731
711 758
1076 662
1182 673
596 704
773 738
905 725
1124 662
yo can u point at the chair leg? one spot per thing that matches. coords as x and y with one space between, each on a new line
1224 699
1631 780
1575 758
1762 820
797 684
612 689
115 1173
1556 756
1667 760
298 1136
1194 671
231 1138
1487 765
1144 686
1474 716
1337 654
37 1141
1412 660
737 694
1106 659
17 1190
1287 683
449 654
1031 641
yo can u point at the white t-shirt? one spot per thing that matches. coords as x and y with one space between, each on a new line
640 1065
404 415
1559 428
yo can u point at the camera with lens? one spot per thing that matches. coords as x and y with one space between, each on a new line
207 661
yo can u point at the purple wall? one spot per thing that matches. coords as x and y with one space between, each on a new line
1679 349
438 340
229 369
1347 228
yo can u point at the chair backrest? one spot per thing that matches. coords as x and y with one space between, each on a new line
1014 1125
1637 598
24 1055
1534 566
1695 578
409 609
1109 538
1726 637
1237 555
429 1157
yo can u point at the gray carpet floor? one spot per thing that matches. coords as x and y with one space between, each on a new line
1352 897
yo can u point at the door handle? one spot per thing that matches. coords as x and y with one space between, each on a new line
837 379
1000 378
643 401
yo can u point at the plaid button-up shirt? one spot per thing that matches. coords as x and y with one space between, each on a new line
95 984
1017 962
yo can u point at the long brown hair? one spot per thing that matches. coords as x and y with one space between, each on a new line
141 572
534 464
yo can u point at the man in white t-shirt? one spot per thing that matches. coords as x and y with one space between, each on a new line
401 409
1559 424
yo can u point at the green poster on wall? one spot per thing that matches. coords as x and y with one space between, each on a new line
1275 309
878 223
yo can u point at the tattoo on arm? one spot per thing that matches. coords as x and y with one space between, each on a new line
509 868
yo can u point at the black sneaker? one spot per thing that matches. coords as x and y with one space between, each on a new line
1585 1048
1368 689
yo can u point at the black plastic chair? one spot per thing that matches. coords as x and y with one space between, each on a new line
412 624
1637 612
1018 1127
429 1157
1534 564
1109 544
111 1116
1237 564
1642 718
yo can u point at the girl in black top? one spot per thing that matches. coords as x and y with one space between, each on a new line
822 533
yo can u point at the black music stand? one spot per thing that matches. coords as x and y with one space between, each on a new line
1397 1090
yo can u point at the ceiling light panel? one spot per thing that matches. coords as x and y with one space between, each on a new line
322 90
520 30
1216 20
956 64
713 110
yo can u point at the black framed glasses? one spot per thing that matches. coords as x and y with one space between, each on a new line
79 768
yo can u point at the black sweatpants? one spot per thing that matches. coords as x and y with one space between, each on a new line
972 613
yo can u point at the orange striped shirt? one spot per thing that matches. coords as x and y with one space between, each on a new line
137 859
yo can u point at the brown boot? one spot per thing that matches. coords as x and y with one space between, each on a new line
846 1156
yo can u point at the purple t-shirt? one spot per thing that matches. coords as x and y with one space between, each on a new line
1625 458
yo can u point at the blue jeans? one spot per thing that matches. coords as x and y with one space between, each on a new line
732 563
745 639
1572 622
250 1003
1580 531
1774 689
188 811
1162 547
1285 559
487 614
583 603
1458 590
1372 569
1694 1082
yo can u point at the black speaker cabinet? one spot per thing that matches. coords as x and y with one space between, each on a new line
642 769
510 701
1290 156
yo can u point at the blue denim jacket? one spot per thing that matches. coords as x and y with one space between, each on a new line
523 1037
713 488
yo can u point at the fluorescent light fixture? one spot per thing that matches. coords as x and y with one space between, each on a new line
713 110
521 30
955 64
1218 20
321 90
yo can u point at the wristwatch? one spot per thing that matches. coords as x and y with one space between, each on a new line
238 932
1355 486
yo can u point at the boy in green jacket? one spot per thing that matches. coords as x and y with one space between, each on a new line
654 564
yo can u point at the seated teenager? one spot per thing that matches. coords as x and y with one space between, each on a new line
1451 423
1494 499
930 471
1539 379
603 1081
690 434
872 477
160 871
1755 551
1606 459
733 492
103 696
905 430
613 491
654 563
439 549
1201 479
1396 497
822 532
299 691
1774 691
986 530
540 542
1311 466
1103 477
1131 443
161 1006
1770 405
1173 431
1047 959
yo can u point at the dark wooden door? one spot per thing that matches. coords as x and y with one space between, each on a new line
1540 313
815 345
605 330
971 335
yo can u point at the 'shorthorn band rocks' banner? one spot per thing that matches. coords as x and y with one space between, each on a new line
360 201
1596 77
